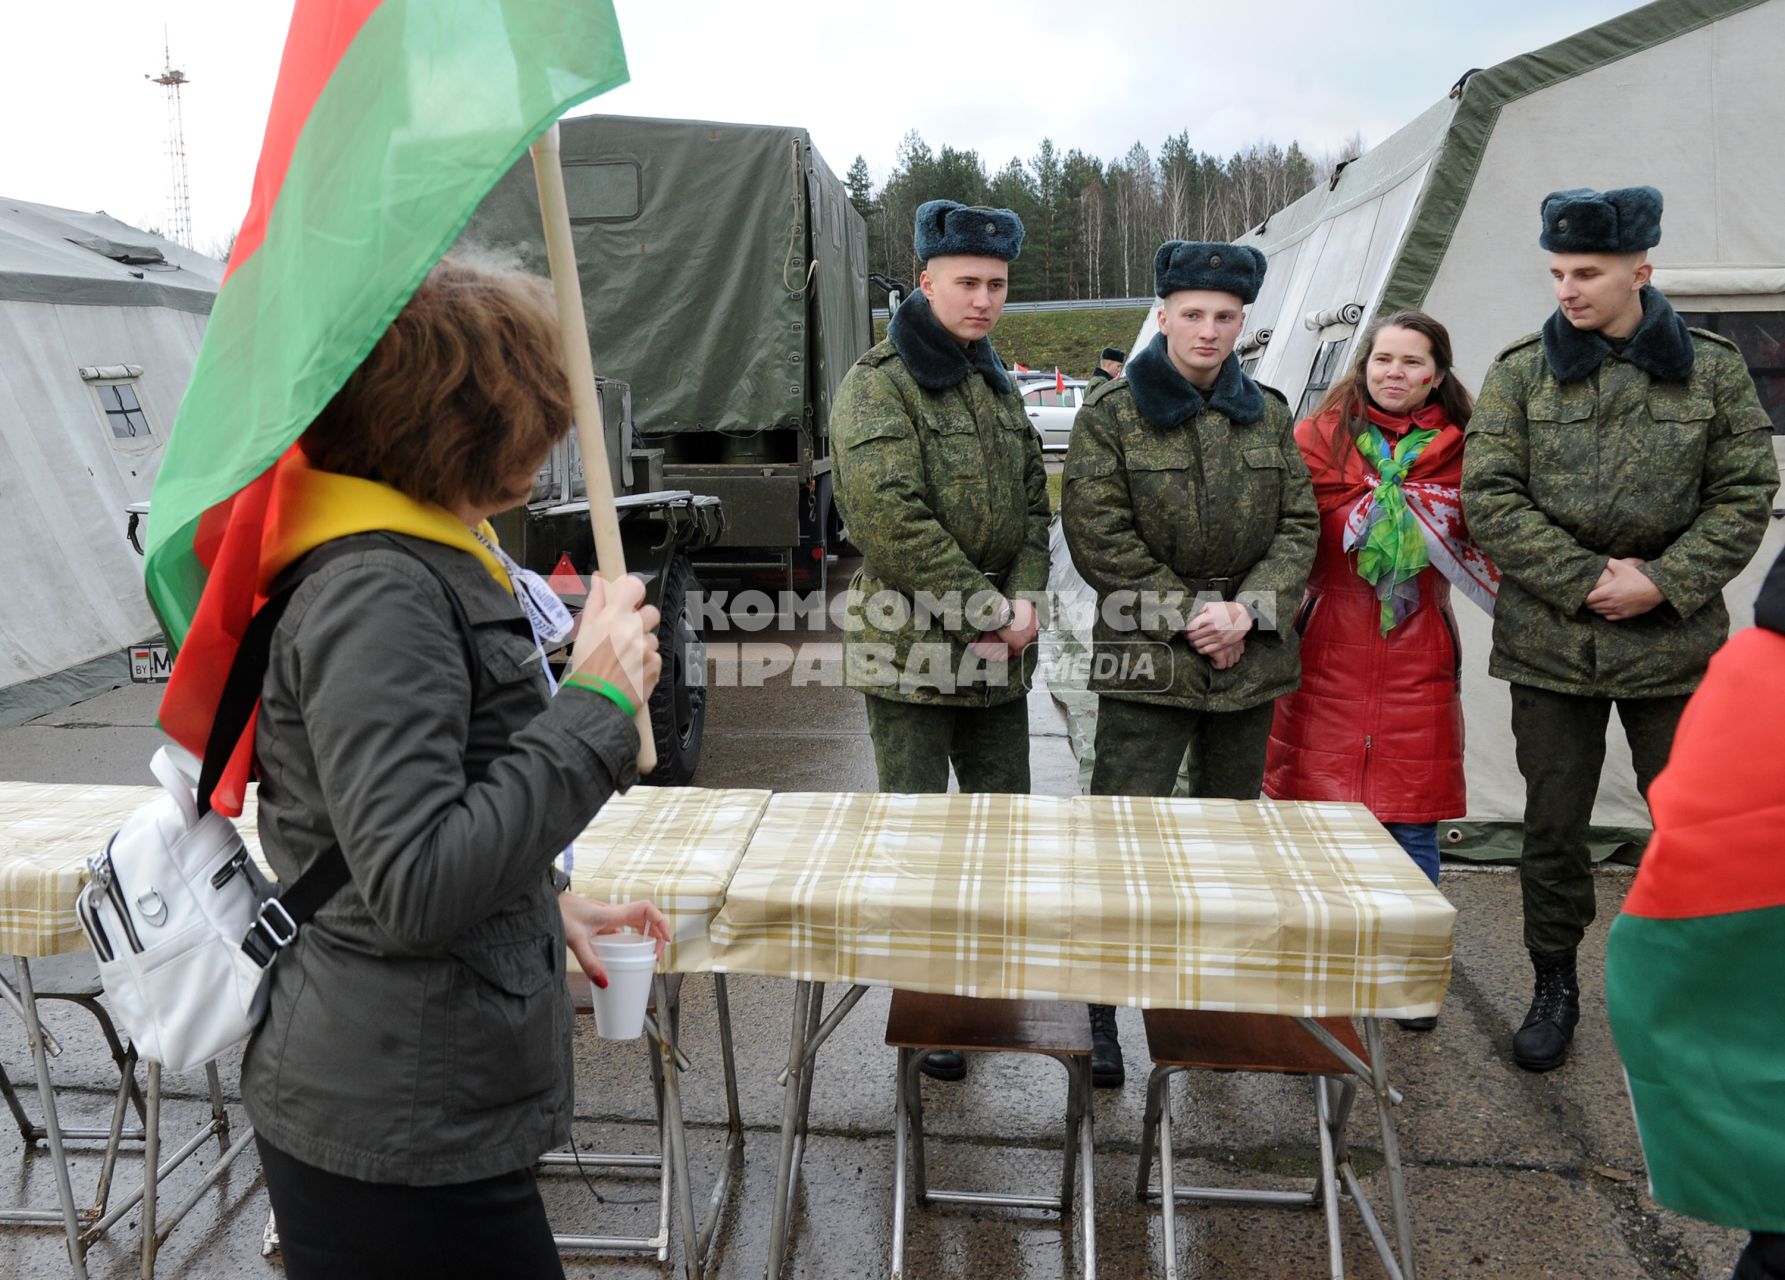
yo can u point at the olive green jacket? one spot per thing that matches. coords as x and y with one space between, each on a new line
1560 477
1168 512
419 1029
946 497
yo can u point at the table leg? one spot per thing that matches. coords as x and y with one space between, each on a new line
1329 1177
790 1103
900 1120
1391 1146
814 1017
1168 1192
1087 1138
52 1127
734 1135
678 1142
151 1168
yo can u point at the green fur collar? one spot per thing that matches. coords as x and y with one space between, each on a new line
1661 346
1167 398
935 360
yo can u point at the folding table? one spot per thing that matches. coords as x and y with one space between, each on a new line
1303 910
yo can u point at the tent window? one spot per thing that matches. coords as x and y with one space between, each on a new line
123 411
1327 362
603 190
1761 337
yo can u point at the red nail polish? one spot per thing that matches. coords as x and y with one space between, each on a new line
601 981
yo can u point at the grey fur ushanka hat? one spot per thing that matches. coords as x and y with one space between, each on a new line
1196 264
1581 220
946 228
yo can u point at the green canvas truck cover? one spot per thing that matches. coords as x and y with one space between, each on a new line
724 270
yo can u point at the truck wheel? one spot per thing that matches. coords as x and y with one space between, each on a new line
679 702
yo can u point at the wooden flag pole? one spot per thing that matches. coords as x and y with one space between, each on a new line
579 366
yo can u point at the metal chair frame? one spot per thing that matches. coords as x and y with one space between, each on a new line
1334 1096
908 1137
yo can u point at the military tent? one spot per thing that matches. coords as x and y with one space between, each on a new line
99 326
1683 95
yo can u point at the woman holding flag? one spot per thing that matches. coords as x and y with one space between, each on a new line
415 1059
355 403
1378 718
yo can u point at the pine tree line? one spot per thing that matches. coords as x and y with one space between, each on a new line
1091 227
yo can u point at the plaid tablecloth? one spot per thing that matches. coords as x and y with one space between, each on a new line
1265 907
677 846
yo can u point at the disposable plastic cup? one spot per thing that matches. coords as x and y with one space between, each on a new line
629 960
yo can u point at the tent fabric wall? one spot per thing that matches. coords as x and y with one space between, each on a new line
1680 94
72 583
1695 141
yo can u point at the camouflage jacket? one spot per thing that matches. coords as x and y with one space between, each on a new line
1560 476
1156 516
943 491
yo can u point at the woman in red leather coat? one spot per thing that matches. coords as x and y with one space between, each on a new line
1378 718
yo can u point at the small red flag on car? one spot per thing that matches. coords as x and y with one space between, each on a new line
1059 381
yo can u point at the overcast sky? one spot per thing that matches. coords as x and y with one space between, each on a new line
81 127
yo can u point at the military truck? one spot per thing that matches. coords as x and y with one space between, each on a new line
724 273
661 529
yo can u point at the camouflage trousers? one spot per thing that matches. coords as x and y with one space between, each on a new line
1140 746
914 744
1561 748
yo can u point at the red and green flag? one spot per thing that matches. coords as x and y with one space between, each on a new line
1693 965
390 122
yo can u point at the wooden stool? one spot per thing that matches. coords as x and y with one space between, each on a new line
1195 1040
920 1023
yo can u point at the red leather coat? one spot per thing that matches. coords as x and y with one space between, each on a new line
1377 719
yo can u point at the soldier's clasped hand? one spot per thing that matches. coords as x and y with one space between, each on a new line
1218 632
1010 640
1623 591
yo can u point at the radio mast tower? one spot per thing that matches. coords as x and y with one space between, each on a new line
180 214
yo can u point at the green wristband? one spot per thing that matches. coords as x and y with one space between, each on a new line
606 688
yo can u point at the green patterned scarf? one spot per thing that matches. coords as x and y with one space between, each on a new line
1392 551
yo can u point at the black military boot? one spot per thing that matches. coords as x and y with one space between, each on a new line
1106 1049
945 1064
1542 1043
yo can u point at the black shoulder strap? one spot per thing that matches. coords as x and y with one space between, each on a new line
281 917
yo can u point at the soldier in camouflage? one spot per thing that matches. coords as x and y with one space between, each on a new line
1109 365
1619 469
941 485
1188 509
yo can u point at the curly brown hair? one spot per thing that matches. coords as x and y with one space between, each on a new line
464 392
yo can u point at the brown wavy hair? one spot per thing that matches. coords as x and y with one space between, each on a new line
465 391
1350 394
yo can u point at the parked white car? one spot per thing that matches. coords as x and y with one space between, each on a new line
1051 407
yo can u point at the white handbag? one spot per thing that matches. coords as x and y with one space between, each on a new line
170 901
183 923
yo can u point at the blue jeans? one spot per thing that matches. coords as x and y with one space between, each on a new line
1420 840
